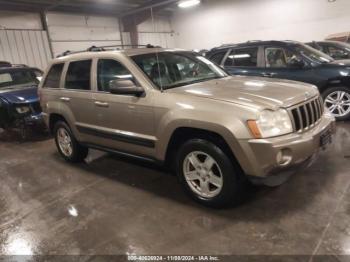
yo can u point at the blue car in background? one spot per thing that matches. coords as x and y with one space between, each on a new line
19 101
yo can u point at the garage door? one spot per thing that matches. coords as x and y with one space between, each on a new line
30 47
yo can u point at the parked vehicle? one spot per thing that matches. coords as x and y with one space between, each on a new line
342 37
294 61
179 109
19 101
335 49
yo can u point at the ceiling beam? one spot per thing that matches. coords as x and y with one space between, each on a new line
153 4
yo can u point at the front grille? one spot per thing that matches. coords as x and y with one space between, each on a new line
306 115
36 108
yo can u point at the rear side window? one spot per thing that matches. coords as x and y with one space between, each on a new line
217 58
246 57
78 75
54 76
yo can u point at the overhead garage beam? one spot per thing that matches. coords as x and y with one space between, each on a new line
153 4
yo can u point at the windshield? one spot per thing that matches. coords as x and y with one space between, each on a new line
19 78
169 69
313 54
344 46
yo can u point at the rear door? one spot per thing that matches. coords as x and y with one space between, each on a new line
243 61
76 98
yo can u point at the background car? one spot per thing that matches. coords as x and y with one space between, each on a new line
19 101
335 49
294 61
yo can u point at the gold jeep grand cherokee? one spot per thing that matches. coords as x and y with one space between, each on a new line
180 109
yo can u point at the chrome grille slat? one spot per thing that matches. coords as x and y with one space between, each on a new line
307 114
300 119
313 117
317 112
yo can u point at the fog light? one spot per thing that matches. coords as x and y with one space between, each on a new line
283 157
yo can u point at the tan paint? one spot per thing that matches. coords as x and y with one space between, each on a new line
222 106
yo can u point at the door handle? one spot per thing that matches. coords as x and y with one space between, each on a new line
268 74
65 99
101 104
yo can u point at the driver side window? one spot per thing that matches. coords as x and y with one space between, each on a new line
109 70
277 57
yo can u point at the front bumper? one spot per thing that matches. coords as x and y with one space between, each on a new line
34 119
282 156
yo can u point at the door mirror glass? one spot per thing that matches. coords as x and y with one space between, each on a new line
125 87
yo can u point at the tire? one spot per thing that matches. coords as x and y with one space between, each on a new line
330 96
75 153
231 177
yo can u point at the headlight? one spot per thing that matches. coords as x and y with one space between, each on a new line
271 124
23 109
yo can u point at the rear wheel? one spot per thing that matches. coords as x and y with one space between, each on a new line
208 174
67 145
337 101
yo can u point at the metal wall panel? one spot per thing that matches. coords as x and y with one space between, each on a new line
30 47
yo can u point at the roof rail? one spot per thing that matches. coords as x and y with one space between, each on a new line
19 65
250 41
5 64
105 48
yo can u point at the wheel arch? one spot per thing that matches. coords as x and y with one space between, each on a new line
53 119
184 133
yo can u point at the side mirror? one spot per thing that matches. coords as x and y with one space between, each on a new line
296 63
125 87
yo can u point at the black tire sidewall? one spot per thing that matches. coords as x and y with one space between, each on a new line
229 193
328 91
78 152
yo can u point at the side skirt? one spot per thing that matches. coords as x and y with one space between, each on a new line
125 154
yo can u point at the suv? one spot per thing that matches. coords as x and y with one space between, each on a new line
180 109
19 101
335 49
294 61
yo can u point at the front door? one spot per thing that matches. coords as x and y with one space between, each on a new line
126 121
280 62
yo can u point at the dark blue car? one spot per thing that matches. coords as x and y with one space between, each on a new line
19 101
294 61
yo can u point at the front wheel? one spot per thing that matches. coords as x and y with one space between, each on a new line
67 145
208 174
337 101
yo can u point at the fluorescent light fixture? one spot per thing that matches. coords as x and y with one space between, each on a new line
188 3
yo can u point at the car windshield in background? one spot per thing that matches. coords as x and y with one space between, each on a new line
169 69
18 78
343 44
313 54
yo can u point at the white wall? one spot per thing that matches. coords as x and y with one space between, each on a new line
157 32
216 22
78 32
19 20
23 40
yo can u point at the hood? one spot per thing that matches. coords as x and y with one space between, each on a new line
20 95
339 63
252 91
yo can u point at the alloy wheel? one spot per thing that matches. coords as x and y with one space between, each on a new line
338 103
64 142
203 174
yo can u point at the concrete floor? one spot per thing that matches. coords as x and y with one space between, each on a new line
116 206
